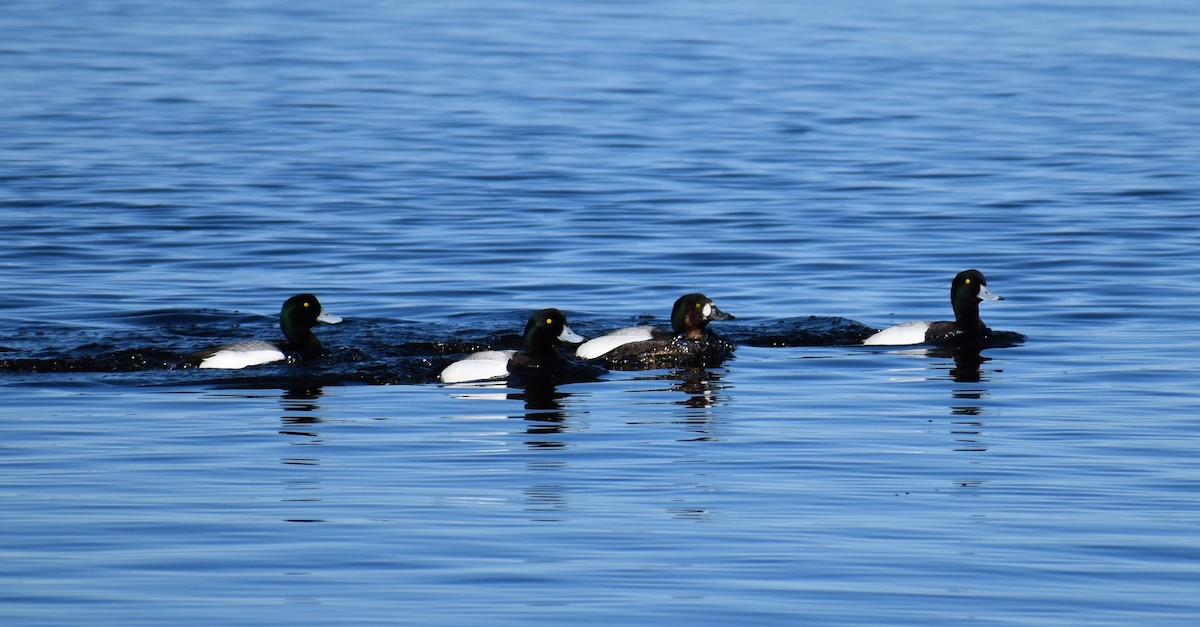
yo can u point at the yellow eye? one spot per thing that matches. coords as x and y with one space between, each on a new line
306 303
968 281
549 321
699 305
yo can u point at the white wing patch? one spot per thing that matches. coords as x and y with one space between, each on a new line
594 348
899 335
241 355
478 367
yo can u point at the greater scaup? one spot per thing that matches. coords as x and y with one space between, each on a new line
297 317
688 341
968 289
540 357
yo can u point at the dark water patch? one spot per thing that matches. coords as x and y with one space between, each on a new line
1154 193
199 321
1018 204
127 360
367 351
805 331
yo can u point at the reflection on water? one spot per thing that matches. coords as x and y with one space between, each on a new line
967 434
691 513
545 420
967 407
704 392
701 386
541 398
302 400
967 364
704 389
299 419
545 406
546 423
544 414
967 428
436 170
546 502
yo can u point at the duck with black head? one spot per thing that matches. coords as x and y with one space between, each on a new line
540 358
297 317
967 290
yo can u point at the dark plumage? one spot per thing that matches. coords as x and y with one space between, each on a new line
546 327
688 343
967 290
297 317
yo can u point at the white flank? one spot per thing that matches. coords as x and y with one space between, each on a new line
478 367
594 348
899 335
238 356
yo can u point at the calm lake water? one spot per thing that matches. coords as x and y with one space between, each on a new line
171 172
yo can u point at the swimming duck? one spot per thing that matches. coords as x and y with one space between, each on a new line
540 357
297 317
652 347
968 289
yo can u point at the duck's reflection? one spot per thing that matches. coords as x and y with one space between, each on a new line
545 423
967 366
545 420
300 419
702 386
967 426
545 502
544 414
704 391
968 429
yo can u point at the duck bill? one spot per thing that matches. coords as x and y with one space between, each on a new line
986 294
568 335
717 314
328 318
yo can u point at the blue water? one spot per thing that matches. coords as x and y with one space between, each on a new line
171 172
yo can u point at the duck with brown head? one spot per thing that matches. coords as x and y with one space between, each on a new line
689 342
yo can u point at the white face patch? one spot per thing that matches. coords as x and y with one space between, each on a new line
707 311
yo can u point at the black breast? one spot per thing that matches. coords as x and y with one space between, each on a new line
952 333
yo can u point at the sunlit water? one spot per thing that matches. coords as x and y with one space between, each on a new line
169 174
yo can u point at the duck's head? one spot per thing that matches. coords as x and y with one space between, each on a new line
301 313
547 326
968 289
693 312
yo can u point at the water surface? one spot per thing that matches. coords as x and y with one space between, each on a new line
170 173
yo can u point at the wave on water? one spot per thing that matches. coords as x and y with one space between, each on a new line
358 351
805 331
155 347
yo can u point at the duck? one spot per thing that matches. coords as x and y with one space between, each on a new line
545 328
297 317
688 339
967 290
